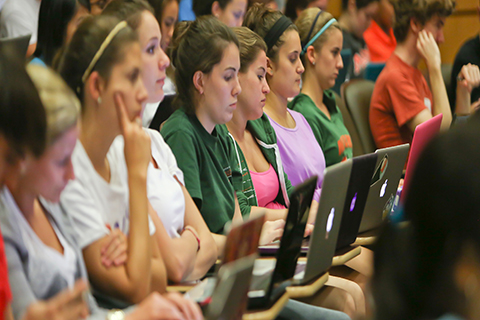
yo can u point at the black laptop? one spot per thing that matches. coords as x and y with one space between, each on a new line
266 288
357 193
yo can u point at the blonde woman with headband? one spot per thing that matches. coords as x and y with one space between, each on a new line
109 191
185 242
44 258
322 39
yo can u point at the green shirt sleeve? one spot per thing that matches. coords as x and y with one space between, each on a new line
183 148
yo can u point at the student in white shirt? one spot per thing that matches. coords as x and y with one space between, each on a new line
107 193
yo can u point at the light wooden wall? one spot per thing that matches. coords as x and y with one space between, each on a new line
463 24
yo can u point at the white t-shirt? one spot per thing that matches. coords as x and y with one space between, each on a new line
64 264
19 18
96 206
164 192
148 113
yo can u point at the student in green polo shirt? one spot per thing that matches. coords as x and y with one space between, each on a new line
203 103
322 42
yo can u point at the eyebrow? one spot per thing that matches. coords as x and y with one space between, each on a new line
262 68
230 68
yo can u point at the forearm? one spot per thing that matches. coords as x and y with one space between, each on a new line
220 242
462 106
441 104
159 275
206 257
138 265
179 253
270 214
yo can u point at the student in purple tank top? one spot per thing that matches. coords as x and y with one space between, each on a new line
301 154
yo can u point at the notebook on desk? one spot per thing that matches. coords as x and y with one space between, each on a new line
384 184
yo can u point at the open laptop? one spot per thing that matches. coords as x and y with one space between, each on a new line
18 46
384 184
320 247
356 198
424 132
241 242
267 285
228 300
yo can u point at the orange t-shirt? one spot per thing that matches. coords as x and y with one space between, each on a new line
380 45
400 93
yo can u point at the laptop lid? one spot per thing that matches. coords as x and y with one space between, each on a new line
291 242
242 240
18 46
424 132
357 193
229 298
384 184
327 224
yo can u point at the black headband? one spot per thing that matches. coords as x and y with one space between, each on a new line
276 31
311 28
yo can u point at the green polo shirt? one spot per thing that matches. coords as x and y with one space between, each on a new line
331 134
206 169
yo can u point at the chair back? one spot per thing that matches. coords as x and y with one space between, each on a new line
356 95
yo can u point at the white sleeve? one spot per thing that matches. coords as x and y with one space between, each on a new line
167 155
16 24
88 223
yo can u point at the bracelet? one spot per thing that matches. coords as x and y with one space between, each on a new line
188 228
115 314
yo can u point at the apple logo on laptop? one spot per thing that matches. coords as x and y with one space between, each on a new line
383 188
330 222
352 204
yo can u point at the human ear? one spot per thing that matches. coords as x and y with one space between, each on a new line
95 86
311 55
270 67
216 10
415 25
198 81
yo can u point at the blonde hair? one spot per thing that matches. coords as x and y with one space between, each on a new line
304 24
62 107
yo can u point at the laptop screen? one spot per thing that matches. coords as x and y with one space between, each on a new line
357 193
291 243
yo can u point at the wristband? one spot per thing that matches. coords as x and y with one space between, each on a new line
188 228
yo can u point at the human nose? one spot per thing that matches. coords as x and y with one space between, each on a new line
339 62
300 68
163 61
70 173
237 89
266 87
440 38
142 94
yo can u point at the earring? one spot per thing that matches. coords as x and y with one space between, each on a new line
99 100
313 62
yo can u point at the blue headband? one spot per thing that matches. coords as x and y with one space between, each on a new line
319 33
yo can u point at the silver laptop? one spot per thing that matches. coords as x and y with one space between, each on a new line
383 187
321 246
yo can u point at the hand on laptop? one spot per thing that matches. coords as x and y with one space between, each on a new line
308 229
271 230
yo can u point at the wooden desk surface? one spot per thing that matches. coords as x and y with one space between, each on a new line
271 313
181 287
302 291
347 256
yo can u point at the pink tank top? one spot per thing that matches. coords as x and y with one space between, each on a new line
266 187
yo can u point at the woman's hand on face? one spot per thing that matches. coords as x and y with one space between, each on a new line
137 141
114 252
67 305
271 230
157 307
